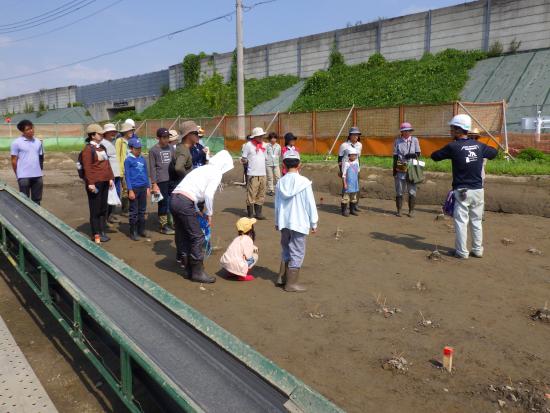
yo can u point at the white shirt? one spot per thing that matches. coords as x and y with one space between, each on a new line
343 151
256 159
111 153
201 183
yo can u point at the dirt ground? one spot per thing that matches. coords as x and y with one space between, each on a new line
336 337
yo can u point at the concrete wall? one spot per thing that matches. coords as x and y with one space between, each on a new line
467 26
57 98
107 109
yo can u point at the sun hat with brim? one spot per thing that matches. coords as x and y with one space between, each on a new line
257 132
291 155
126 127
109 127
245 224
174 136
475 131
405 126
94 128
134 143
354 131
188 127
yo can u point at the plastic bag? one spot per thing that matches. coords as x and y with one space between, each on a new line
113 198
449 205
156 197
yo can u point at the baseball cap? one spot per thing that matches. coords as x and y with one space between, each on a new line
162 132
245 224
134 143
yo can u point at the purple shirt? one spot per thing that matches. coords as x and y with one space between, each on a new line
28 153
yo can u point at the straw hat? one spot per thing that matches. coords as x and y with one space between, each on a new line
126 127
245 224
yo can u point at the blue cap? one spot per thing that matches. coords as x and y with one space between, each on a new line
134 143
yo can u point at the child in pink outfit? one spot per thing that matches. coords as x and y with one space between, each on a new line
242 254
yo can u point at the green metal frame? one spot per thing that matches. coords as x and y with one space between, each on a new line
302 396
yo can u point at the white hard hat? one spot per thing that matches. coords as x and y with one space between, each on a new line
352 151
462 121
258 132
109 127
130 122
291 154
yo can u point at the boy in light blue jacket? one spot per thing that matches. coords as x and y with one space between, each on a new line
295 216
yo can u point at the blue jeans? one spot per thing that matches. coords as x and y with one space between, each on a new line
138 206
32 187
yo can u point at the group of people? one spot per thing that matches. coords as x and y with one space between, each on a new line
182 177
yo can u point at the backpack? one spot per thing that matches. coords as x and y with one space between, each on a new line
79 165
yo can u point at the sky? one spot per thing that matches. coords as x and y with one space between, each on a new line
125 22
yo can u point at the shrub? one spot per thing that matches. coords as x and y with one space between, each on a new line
28 108
336 59
531 154
514 46
192 69
495 50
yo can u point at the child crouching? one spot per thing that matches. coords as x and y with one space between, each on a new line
242 254
350 179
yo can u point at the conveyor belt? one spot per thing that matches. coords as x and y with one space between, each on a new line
213 378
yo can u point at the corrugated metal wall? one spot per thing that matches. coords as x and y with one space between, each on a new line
149 84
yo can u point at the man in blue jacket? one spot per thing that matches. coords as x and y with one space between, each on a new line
467 156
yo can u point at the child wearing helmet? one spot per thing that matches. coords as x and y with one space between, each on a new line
350 180
405 148
242 254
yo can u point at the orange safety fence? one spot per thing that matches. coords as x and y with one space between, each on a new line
316 131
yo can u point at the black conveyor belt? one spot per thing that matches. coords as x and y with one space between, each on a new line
213 378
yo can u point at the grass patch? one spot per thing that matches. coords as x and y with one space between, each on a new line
213 97
495 167
433 79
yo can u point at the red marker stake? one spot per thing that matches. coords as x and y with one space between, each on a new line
448 358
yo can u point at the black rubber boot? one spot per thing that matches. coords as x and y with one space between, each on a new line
292 285
399 205
281 279
184 265
133 232
345 210
141 229
412 205
197 273
250 211
258 210
353 209
102 225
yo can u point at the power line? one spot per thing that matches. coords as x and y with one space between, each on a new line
17 23
61 27
50 18
133 46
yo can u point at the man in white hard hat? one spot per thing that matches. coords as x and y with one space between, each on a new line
254 154
467 156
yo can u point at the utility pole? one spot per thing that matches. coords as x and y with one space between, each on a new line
240 71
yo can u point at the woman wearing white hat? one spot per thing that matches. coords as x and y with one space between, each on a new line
109 134
254 154
121 146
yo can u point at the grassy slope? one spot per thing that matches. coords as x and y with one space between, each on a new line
433 79
193 102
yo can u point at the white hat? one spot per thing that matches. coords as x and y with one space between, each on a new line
126 127
173 135
109 127
291 154
462 121
258 132
131 122
352 151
